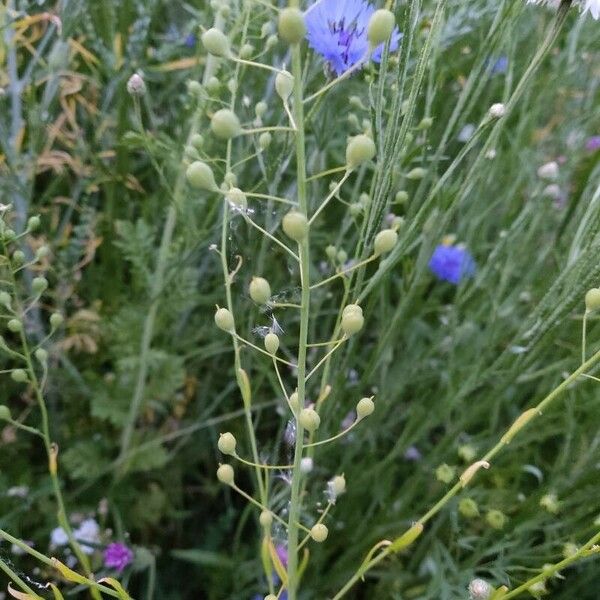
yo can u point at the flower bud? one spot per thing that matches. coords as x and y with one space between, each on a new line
224 319
5 413
426 123
260 109
232 85
550 503
236 197
56 320
5 299
385 241
15 325
309 419
360 148
497 111
356 209
266 29
264 140
200 176
136 85
260 290
215 42
416 173
292 28
33 223
266 519
381 25
592 299
246 51
341 256
42 252
538 589
213 84
284 84
295 225
364 408
41 355
479 590
19 375
352 319
548 171
197 141
401 197
495 519
294 402
467 453
225 124
336 486
190 153
39 285
194 88
306 465
445 473
225 474
227 443
18 257
319 532
271 343
331 252
468 508
271 41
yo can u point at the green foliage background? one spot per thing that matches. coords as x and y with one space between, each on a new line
449 366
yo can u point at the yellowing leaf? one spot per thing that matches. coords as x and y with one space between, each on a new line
118 587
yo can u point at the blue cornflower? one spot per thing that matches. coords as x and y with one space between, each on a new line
337 30
190 40
452 263
500 65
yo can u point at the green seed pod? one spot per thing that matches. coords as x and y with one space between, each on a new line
225 474
342 256
260 290
266 519
271 343
352 319
264 140
230 179
15 325
337 485
271 41
227 443
364 199
569 549
385 241
260 109
197 141
495 519
364 408
319 532
381 25
5 413
356 103
401 197
353 121
468 508
467 453
42 252
18 257
295 225
246 51
416 173
225 124
56 320
397 223
5 299
292 28
356 209
360 149
39 285
41 355
309 419
190 153
216 42
592 299
194 88
425 123
331 252
232 85
9 234
284 84
266 29
445 473
224 319
236 197
294 402
213 84
200 176
550 503
19 375
33 223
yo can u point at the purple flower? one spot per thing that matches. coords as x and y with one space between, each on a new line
117 556
190 40
413 454
282 554
593 143
337 30
452 263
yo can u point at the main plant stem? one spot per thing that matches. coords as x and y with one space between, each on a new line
304 251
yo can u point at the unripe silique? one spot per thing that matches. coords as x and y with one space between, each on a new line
385 241
227 443
215 42
291 25
295 225
200 176
360 149
225 124
260 290
224 319
381 25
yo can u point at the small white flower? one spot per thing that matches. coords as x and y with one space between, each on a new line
306 465
58 537
497 111
548 171
552 191
466 133
136 85
479 589
88 531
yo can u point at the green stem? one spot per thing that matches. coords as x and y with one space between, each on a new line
304 250
12 575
